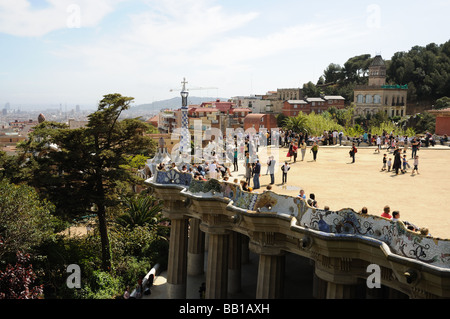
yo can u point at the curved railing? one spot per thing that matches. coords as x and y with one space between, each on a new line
345 222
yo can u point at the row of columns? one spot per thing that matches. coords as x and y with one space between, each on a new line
226 254
227 251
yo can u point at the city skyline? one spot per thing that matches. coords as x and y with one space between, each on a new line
75 51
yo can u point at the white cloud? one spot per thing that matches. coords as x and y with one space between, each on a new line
19 18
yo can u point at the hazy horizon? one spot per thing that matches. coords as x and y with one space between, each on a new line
75 51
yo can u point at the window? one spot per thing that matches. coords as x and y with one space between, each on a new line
295 106
377 99
360 98
369 99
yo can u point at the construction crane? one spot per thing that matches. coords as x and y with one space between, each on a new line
193 88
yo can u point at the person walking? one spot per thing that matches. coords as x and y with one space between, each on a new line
285 169
314 150
303 149
378 144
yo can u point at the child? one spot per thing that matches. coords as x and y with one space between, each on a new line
389 163
416 165
384 163
405 164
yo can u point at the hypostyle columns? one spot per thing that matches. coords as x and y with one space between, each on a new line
270 282
178 243
234 262
177 263
217 262
196 248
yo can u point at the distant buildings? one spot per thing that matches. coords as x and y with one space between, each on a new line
260 122
378 96
314 104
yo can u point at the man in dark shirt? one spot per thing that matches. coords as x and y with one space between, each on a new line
256 174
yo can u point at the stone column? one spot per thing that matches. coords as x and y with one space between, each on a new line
217 262
234 262
270 283
177 263
245 250
319 287
341 291
196 249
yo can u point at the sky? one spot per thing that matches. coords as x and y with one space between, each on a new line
73 52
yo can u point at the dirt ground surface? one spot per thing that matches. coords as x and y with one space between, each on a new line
422 199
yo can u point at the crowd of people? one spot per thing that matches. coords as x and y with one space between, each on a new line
240 153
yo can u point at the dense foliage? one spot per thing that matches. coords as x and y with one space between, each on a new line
79 177
426 71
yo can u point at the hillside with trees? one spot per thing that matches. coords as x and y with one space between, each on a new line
425 69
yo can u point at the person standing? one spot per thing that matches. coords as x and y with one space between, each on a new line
248 172
285 169
415 147
353 152
235 159
314 150
416 165
256 174
397 161
290 151
271 167
384 163
294 151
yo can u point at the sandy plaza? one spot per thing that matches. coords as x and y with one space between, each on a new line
422 199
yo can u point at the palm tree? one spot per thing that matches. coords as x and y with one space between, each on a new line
296 124
141 211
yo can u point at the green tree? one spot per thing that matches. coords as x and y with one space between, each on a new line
311 90
25 220
442 103
333 73
356 69
86 167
